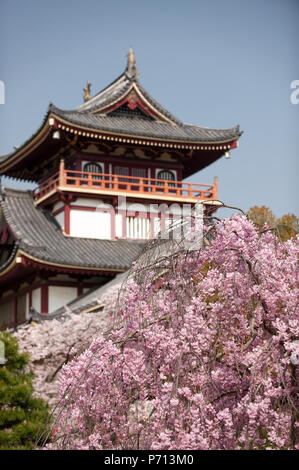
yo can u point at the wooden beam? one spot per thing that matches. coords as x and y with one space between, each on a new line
45 299
15 320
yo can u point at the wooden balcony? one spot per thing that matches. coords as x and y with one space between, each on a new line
129 186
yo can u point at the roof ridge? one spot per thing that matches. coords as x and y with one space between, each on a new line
155 103
86 103
235 128
17 192
125 81
130 72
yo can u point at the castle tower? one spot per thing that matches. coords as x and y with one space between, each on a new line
105 171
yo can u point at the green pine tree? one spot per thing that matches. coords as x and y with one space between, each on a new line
23 418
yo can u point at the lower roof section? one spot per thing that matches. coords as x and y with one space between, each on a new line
39 240
93 299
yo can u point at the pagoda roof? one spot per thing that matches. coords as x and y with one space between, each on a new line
142 127
39 238
122 109
117 90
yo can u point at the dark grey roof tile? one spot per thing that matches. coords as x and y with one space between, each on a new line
39 235
117 89
147 128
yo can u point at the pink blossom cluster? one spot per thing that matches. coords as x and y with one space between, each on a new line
205 359
51 343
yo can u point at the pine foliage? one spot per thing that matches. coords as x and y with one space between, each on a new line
22 417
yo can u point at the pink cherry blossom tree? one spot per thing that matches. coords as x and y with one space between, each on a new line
203 353
52 343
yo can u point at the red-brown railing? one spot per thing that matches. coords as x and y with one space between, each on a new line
74 180
46 187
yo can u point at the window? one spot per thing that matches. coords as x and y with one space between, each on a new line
165 175
92 167
138 228
122 170
71 166
139 172
126 171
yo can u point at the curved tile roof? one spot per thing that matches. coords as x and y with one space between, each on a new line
39 235
116 90
147 128
108 95
94 114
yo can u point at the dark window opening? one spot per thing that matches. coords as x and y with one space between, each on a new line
92 167
122 170
165 175
125 111
139 172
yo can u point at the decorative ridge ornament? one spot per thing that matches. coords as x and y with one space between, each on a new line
86 90
131 68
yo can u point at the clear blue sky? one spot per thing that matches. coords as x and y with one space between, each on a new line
214 63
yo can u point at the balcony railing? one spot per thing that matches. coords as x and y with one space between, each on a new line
73 180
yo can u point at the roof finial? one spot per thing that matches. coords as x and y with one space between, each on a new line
87 91
131 69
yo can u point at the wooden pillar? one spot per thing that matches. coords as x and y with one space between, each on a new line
15 313
79 290
61 173
153 172
30 299
67 216
124 224
215 188
112 222
45 299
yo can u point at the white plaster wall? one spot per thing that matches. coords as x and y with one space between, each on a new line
173 207
60 296
60 219
135 206
36 299
156 226
118 225
58 205
90 224
27 306
82 201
